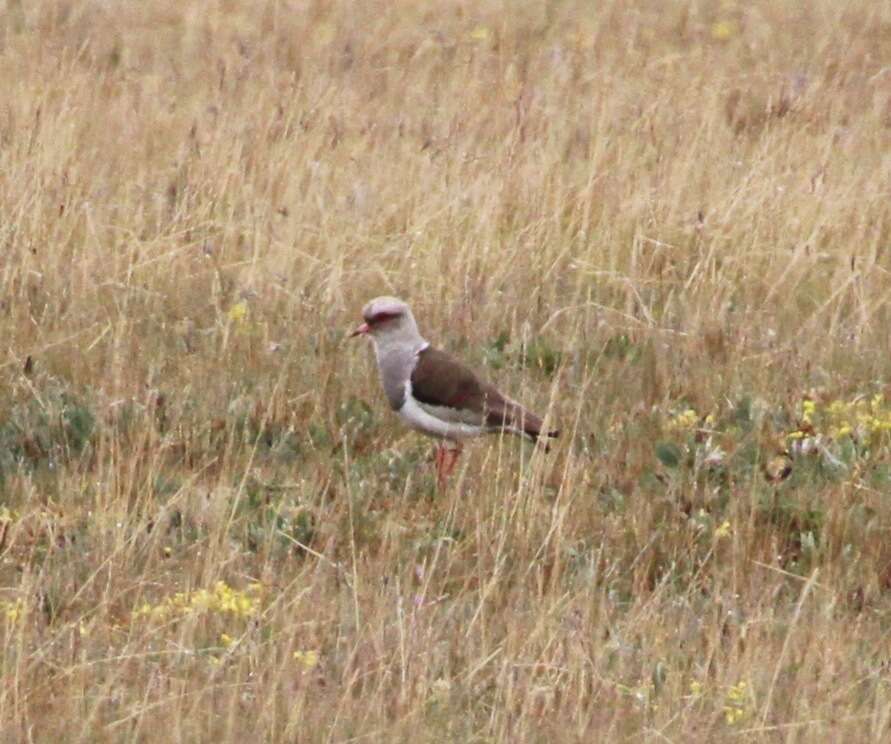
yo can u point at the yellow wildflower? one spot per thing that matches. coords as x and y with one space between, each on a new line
735 703
686 419
223 599
13 611
723 30
238 312
480 33
808 409
308 659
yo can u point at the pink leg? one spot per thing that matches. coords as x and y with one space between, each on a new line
451 459
446 459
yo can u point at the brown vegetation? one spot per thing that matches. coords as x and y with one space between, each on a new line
665 223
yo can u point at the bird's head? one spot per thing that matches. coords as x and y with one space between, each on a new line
388 320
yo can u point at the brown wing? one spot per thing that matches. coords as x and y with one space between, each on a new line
441 380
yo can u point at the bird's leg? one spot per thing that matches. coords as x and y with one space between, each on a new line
445 458
440 462
450 459
439 458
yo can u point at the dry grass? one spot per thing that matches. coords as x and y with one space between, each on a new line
665 223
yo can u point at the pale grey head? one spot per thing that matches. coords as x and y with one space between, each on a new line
390 324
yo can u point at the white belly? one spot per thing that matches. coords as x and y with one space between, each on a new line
418 418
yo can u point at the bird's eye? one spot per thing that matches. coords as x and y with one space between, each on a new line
381 317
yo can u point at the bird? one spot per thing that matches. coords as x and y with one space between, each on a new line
433 392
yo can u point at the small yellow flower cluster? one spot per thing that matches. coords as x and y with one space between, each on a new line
13 611
683 421
308 659
862 417
688 419
808 409
724 530
238 313
724 30
480 33
735 703
222 599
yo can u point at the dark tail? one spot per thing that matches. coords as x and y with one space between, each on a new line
532 427
552 434
513 415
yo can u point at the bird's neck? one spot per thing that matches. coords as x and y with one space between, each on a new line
396 360
403 341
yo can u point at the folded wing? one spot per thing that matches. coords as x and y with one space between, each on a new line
453 392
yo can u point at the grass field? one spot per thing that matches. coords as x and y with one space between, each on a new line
665 223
